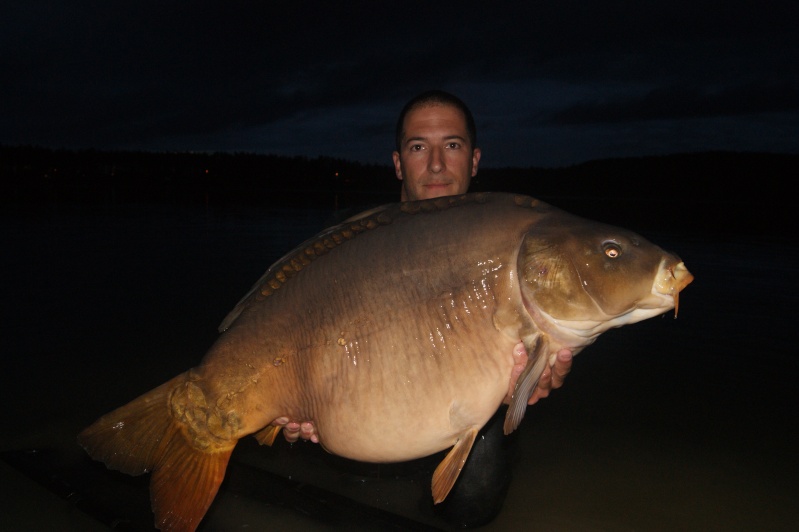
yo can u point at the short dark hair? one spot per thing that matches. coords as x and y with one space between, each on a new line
436 97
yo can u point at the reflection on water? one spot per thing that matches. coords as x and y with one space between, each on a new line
667 424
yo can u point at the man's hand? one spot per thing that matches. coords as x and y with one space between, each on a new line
551 378
293 431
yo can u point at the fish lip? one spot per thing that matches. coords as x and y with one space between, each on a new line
672 279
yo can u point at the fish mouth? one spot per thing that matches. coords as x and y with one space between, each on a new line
671 280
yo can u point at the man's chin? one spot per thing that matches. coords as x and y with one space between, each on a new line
436 191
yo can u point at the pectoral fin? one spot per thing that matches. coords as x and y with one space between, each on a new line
447 472
536 364
266 436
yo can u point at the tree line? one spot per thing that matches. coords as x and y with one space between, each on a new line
722 191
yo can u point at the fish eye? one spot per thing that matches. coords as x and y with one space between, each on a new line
612 249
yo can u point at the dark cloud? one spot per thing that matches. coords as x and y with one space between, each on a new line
548 82
685 102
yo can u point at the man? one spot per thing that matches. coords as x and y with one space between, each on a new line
437 155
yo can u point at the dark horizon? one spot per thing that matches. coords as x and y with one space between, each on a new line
722 192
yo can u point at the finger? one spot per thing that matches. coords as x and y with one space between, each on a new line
563 364
308 432
291 431
542 388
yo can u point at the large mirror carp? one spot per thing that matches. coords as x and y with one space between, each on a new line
394 333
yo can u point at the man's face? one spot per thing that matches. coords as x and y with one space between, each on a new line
435 157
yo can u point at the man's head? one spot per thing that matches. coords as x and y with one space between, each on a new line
436 153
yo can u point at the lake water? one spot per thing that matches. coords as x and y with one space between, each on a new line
687 424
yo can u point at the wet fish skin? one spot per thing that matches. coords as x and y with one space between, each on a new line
394 333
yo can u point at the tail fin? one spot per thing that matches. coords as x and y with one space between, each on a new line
143 436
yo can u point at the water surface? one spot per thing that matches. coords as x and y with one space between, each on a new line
686 424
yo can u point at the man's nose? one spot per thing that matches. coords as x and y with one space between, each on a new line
436 160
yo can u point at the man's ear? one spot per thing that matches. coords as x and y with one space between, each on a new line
398 165
476 153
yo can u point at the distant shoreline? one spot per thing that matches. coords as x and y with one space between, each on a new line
715 192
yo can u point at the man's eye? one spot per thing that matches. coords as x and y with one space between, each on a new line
416 147
453 145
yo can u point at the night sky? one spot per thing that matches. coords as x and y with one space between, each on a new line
550 83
